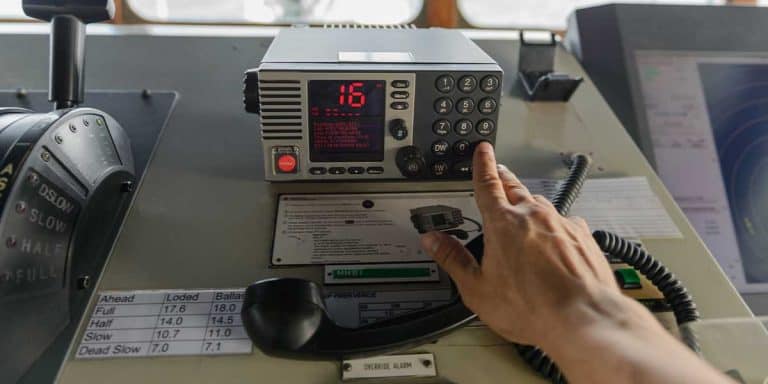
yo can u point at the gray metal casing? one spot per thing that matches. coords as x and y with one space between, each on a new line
304 54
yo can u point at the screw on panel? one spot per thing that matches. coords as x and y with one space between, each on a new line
83 282
73 127
58 139
426 363
21 93
33 179
346 367
21 207
45 156
86 122
99 122
126 186
146 93
10 242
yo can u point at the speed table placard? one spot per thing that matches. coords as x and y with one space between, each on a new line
158 323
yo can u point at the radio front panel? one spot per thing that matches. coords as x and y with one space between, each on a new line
362 125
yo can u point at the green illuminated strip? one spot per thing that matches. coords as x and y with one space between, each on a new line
373 273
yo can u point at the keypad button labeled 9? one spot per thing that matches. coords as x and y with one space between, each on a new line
486 127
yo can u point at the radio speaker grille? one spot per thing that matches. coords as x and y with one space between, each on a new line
281 109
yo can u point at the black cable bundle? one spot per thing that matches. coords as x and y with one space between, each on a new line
614 245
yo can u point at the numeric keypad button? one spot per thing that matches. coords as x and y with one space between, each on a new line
486 127
463 127
461 147
441 127
467 83
444 83
443 105
440 148
465 106
489 83
487 106
440 168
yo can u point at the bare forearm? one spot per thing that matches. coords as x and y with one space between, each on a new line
618 341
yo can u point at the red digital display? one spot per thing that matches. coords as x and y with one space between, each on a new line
346 120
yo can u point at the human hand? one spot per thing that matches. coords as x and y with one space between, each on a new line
540 271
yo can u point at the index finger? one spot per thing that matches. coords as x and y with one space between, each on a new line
489 191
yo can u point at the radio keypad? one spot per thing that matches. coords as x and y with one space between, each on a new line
444 83
443 106
440 148
465 106
440 168
463 127
441 127
487 106
486 127
464 114
461 147
467 84
489 83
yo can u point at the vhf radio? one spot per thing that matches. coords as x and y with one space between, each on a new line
362 104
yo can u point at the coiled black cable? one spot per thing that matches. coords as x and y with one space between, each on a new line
617 247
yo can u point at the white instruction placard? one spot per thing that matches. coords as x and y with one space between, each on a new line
377 228
165 323
362 228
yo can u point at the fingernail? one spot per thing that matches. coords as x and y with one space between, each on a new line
430 241
485 147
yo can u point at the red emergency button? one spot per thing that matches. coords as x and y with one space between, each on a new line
286 163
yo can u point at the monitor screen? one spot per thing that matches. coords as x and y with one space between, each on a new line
707 118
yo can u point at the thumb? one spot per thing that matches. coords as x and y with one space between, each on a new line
452 257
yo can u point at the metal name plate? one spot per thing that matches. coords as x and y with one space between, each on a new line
413 365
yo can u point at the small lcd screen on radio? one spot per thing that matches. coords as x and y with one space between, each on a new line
346 120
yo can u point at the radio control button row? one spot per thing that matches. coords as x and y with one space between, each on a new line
318 171
399 105
440 148
441 127
440 168
375 170
443 105
486 127
489 83
467 83
337 170
487 106
356 170
400 83
397 129
400 95
444 83
463 127
461 147
465 106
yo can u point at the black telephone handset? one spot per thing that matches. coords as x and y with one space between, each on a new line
287 316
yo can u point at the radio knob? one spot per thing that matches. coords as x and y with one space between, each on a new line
251 92
411 162
398 129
